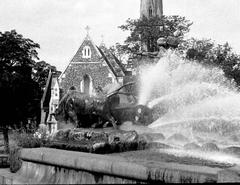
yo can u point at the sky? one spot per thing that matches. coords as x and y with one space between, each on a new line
59 25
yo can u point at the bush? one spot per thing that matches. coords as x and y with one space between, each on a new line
26 140
26 137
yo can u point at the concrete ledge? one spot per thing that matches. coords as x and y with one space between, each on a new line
119 167
110 165
6 177
229 175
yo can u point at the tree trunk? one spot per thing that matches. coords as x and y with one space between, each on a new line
6 139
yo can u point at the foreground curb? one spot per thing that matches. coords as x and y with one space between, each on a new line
113 166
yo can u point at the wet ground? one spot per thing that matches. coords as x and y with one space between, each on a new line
153 156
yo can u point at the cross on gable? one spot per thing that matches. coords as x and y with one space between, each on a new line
87 29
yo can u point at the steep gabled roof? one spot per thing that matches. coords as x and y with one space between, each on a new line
54 81
77 58
98 55
119 64
108 63
95 55
47 92
112 61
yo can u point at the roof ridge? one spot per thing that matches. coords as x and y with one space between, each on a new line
107 61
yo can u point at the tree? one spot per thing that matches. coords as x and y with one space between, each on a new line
40 73
207 52
198 50
119 52
17 89
147 31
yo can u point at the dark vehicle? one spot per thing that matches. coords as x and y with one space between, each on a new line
115 108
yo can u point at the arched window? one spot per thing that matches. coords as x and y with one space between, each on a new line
86 52
150 12
86 84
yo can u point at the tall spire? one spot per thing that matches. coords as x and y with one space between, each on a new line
151 8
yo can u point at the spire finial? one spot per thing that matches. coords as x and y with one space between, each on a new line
102 41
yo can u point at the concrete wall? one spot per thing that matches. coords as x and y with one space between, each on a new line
229 175
46 174
46 165
52 166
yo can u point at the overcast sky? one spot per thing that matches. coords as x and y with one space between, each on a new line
59 25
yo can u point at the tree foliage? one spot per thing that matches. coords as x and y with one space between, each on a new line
205 51
147 31
17 56
20 86
17 89
41 71
118 51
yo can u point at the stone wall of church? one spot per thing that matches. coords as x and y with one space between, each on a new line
92 65
75 73
78 57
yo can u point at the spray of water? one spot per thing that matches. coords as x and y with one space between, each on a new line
186 94
213 156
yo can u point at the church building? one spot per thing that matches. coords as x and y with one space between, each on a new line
94 67
91 68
